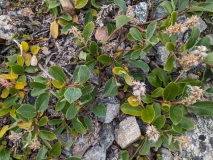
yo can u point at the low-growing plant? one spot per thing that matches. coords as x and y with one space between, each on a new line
163 110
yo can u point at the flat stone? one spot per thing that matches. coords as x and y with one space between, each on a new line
6 30
202 25
166 154
95 153
128 132
106 136
68 6
160 12
141 12
112 105
162 55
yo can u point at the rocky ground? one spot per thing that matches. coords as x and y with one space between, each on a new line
116 131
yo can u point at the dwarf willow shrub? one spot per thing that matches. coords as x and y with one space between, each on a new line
164 110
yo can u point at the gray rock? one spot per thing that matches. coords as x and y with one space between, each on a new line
106 136
202 25
211 38
128 132
80 147
200 139
141 11
157 1
93 78
162 55
6 29
193 76
64 138
95 153
160 12
166 154
112 105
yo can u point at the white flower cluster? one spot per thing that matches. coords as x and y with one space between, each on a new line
152 133
15 136
195 94
182 27
195 57
139 89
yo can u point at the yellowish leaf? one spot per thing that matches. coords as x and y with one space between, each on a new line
34 61
21 94
11 76
75 18
20 85
54 29
34 49
133 101
57 84
4 93
13 112
20 60
80 3
94 12
27 59
3 130
25 46
24 125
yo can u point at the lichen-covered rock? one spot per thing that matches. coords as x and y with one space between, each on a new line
141 11
202 25
162 55
160 12
165 154
106 135
128 132
6 29
112 105
95 153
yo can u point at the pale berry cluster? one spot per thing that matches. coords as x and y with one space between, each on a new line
15 136
152 133
195 57
195 94
34 145
182 27
139 89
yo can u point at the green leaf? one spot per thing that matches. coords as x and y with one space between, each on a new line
27 111
169 93
157 108
111 88
167 6
110 28
85 99
86 90
210 90
187 124
121 4
93 48
161 75
88 18
56 121
94 4
88 30
183 5
66 17
60 105
9 101
71 112
135 54
80 3
206 7
46 135
157 92
104 58
5 154
174 16
43 121
209 59
53 4
58 74
154 80
88 124
140 64
205 41
169 46
193 38
17 69
145 148
203 108
55 151
41 153
164 38
81 74
72 94
37 85
175 114
42 102
4 111
122 20
174 146
99 110
148 114
128 79
169 65
78 126
151 29
159 122
125 155
73 158
135 33
128 109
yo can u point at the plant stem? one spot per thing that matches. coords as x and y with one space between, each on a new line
139 147
181 73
